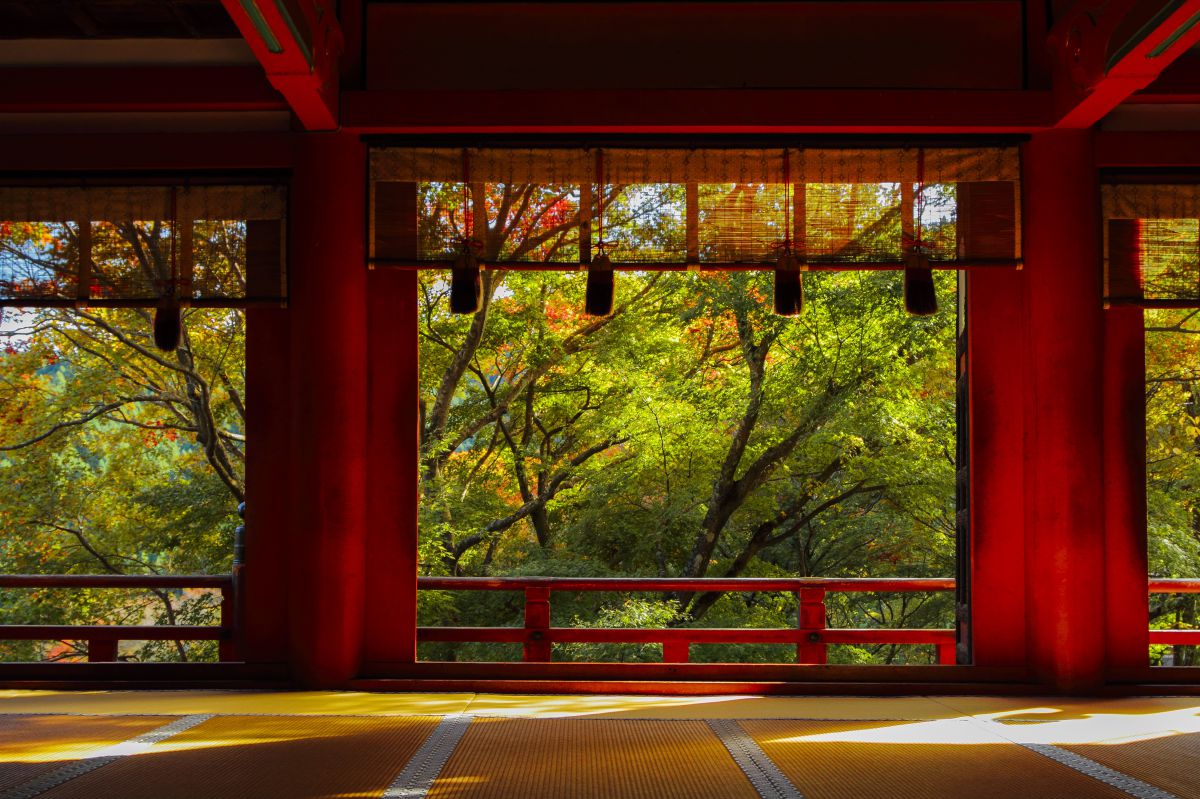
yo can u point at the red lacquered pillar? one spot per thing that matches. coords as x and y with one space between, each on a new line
1064 453
392 444
329 409
263 620
1126 601
995 311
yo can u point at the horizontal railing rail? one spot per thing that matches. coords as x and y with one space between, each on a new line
1175 586
103 640
811 636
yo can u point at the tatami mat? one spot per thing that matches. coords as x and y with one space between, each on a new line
34 745
850 760
710 707
263 757
589 759
301 744
1168 761
226 702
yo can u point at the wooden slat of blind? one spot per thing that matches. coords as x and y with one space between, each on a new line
265 273
586 201
987 221
83 285
395 220
183 281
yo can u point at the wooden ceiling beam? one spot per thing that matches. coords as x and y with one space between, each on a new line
1103 51
299 44
136 89
698 111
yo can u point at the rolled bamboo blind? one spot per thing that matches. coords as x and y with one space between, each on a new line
1152 245
203 245
710 207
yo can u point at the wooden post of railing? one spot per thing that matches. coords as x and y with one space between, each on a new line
947 654
676 651
233 609
102 650
811 620
537 624
227 647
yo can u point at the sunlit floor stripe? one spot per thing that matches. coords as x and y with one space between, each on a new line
1085 765
762 772
102 757
418 776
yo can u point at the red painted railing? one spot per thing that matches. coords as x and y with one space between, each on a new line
811 636
103 639
1175 637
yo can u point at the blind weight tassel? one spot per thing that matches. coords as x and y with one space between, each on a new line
601 287
466 286
789 278
168 326
601 281
789 285
920 298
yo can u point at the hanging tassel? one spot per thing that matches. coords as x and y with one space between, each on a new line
466 287
168 326
601 286
920 298
789 285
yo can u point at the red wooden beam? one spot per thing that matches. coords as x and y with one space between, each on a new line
698 111
299 44
1103 52
124 89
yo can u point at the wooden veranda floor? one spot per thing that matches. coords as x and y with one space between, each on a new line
446 746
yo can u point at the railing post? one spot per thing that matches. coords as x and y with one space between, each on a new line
102 650
229 649
810 617
537 624
947 654
227 646
676 651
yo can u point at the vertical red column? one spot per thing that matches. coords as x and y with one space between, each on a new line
328 384
1064 491
1126 601
995 309
392 444
263 586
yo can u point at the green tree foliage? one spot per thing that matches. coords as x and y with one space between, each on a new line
115 457
692 433
1173 467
